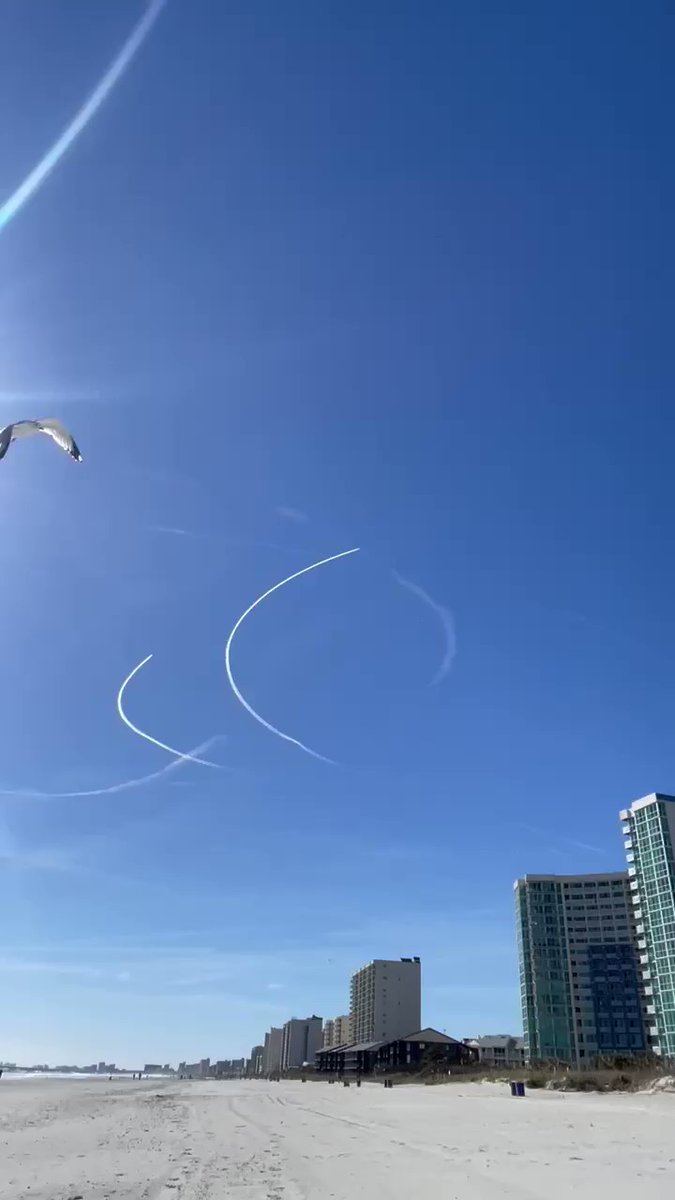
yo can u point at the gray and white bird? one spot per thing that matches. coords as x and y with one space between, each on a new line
53 428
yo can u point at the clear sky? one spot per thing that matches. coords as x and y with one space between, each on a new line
318 276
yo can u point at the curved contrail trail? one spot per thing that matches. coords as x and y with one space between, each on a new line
272 728
204 762
445 617
115 787
84 115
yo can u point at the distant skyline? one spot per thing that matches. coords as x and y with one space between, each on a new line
314 279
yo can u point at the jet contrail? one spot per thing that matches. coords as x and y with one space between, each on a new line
204 762
82 118
447 621
116 787
272 728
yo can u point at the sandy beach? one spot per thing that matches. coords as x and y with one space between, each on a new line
289 1141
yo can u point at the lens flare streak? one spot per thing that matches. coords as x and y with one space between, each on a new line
51 159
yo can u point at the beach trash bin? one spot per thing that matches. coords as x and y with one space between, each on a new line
513 1086
520 1089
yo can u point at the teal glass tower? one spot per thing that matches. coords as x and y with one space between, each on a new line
580 977
649 835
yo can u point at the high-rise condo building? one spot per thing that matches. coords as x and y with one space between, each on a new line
272 1051
649 834
300 1041
386 1000
255 1062
337 1032
342 1030
580 985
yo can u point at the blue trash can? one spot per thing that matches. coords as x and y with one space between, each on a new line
520 1089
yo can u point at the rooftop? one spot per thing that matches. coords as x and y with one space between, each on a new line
593 878
498 1041
644 801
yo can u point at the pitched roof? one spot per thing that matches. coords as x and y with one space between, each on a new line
505 1040
363 1046
428 1035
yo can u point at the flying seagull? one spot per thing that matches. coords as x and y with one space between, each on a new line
54 429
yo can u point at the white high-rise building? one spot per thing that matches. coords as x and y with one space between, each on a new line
386 1000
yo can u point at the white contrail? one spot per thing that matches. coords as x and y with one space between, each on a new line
116 787
148 738
84 115
447 621
272 728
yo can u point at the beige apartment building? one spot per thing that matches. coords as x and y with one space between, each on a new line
337 1032
385 1000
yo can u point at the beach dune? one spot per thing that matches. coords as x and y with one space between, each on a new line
158 1140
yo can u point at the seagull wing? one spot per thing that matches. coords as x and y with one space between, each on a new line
59 434
22 429
49 425
5 439
18 429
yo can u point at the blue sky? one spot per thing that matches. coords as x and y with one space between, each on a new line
320 276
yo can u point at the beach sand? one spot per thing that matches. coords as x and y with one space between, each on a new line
158 1140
